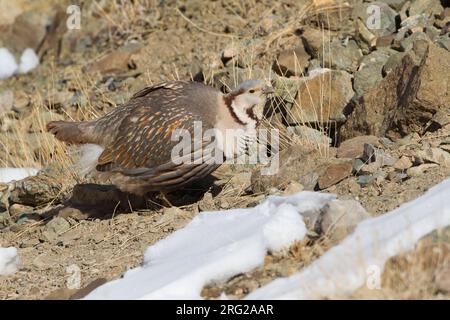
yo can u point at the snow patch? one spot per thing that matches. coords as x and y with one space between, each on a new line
11 174
28 61
346 267
9 67
8 64
9 261
214 246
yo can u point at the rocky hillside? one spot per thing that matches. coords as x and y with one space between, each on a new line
362 104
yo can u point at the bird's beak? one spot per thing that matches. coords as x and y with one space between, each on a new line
267 90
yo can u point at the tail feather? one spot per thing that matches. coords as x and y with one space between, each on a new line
67 131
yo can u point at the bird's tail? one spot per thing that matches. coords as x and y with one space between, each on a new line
67 131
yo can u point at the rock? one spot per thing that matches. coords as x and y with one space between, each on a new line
16 210
366 180
292 188
434 155
368 153
333 15
286 88
28 30
340 218
114 62
336 55
307 135
385 26
313 40
5 219
442 279
37 190
408 43
357 164
443 41
6 101
230 51
207 203
10 10
57 99
395 4
397 176
322 98
393 62
407 98
354 148
241 180
57 225
295 163
369 73
428 7
403 163
334 173
421 169
416 21
292 62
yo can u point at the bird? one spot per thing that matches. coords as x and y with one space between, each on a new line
132 145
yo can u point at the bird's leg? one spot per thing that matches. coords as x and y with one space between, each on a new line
163 197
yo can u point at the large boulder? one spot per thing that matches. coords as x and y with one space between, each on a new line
407 99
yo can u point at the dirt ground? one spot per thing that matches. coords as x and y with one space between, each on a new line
178 45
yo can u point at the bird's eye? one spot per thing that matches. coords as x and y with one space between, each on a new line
252 91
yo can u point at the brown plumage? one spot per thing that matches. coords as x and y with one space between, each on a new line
136 137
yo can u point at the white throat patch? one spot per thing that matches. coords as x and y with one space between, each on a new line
243 116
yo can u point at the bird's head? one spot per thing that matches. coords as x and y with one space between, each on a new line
246 102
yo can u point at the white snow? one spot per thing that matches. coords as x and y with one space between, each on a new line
214 246
347 267
9 261
10 174
8 65
28 61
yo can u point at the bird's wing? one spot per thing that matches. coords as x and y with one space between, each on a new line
144 137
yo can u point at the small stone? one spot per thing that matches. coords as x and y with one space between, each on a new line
337 55
309 181
369 73
5 219
421 169
292 62
57 225
310 98
16 210
434 155
114 62
207 203
403 163
340 218
292 188
334 173
357 165
354 148
366 180
353 186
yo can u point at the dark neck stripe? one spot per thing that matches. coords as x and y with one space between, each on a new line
228 99
251 113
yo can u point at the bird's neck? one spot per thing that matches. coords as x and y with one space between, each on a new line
237 113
